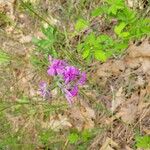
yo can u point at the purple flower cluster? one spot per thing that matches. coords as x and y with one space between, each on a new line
70 77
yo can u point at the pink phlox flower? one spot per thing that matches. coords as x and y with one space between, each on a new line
71 93
70 78
57 67
71 74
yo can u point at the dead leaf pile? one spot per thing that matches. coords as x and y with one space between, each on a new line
82 116
109 144
57 123
128 81
140 55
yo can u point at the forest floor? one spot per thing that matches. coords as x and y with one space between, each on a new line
111 113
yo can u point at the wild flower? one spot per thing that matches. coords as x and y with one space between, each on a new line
57 67
69 78
71 93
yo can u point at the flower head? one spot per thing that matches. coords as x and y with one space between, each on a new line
56 68
70 93
70 74
70 77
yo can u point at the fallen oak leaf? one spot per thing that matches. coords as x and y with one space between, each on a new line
142 50
57 123
118 99
109 144
129 111
83 116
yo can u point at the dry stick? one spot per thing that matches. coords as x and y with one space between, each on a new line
41 17
66 143
113 99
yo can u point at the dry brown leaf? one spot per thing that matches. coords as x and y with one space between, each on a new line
128 148
82 116
148 88
119 99
140 81
132 3
7 6
145 65
142 50
57 123
117 67
109 144
129 111
132 62
147 131
26 39
16 121
104 70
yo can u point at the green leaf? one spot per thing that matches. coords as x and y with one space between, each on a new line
100 55
86 53
103 38
99 11
53 52
43 43
79 47
45 46
73 138
90 39
115 2
96 12
124 34
120 46
143 141
113 9
4 58
81 24
127 15
119 28
49 32
23 100
86 135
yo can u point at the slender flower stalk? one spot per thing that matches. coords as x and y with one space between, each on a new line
43 89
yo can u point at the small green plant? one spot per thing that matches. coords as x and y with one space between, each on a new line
73 138
129 26
4 57
81 139
5 20
46 45
100 47
81 24
143 141
83 136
